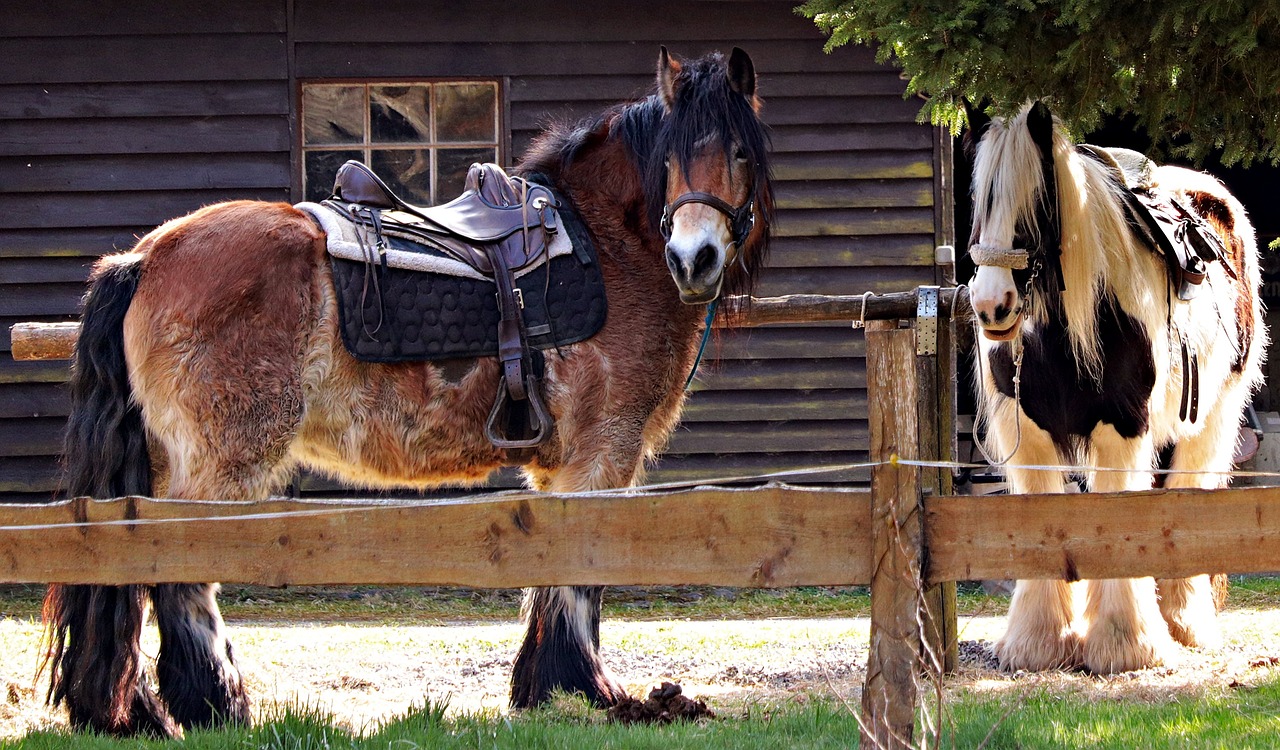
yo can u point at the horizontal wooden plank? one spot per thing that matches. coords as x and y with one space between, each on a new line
769 537
847 165
830 110
851 250
769 437
853 193
135 172
775 374
76 18
30 474
51 371
64 269
736 406
773 87
27 400
853 137
484 58
785 342
96 209
40 299
1166 533
144 58
839 281
38 436
859 221
68 241
747 468
616 21
151 99
151 135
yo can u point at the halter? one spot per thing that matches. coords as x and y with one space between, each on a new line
741 219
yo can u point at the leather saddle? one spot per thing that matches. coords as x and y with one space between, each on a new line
498 226
1166 226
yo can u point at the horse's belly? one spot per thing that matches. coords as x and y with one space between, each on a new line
398 424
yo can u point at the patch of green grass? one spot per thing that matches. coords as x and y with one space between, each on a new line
1244 718
1248 717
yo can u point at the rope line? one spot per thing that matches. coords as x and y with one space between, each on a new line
359 506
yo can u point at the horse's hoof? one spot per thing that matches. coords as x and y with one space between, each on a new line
1038 652
1109 649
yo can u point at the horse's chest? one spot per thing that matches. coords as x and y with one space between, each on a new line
1068 404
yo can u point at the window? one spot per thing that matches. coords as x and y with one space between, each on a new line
419 137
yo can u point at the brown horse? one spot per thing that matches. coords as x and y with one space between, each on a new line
210 366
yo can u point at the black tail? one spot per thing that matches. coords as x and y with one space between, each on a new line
95 662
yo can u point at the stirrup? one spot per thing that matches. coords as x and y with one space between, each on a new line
539 417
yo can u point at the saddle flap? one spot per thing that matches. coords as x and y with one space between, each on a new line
1186 242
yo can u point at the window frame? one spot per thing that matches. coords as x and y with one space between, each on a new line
502 115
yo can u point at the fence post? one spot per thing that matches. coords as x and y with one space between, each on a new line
936 379
890 693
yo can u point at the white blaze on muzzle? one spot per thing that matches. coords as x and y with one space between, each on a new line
993 287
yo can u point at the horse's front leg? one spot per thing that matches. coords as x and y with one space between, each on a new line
1040 634
561 647
1124 628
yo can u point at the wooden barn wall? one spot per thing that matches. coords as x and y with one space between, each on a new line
109 126
111 122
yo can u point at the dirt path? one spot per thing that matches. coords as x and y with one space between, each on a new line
366 673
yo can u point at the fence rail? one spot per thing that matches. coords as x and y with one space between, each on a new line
898 537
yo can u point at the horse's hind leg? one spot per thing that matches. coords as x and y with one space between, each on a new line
1187 604
1040 634
1124 628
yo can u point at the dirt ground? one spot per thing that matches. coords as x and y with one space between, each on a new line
365 673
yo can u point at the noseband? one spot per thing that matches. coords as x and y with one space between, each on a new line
741 219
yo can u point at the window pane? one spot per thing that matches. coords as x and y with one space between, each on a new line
332 114
400 114
452 165
320 169
466 112
406 171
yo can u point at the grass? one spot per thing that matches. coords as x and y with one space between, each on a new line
1243 718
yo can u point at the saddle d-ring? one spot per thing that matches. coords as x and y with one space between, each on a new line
861 322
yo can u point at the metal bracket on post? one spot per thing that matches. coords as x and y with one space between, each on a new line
926 320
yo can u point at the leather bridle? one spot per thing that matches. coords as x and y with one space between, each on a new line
741 219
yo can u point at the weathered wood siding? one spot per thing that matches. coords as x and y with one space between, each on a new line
111 124
113 119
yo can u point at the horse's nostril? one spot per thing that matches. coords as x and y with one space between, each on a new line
673 263
704 261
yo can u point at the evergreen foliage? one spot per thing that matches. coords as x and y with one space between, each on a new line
1199 76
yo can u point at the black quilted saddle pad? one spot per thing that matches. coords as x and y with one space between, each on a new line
414 316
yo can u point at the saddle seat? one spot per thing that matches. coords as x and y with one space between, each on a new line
493 208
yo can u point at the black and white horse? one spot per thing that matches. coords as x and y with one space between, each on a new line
1083 361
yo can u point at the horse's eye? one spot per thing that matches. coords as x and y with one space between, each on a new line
739 154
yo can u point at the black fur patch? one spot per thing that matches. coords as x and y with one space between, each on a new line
192 682
554 657
1065 403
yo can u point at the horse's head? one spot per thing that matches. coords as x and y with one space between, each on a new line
1015 225
710 174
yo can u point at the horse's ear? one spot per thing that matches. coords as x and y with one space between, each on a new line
1040 125
742 73
668 71
979 121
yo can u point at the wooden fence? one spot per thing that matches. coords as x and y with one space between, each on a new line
903 536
